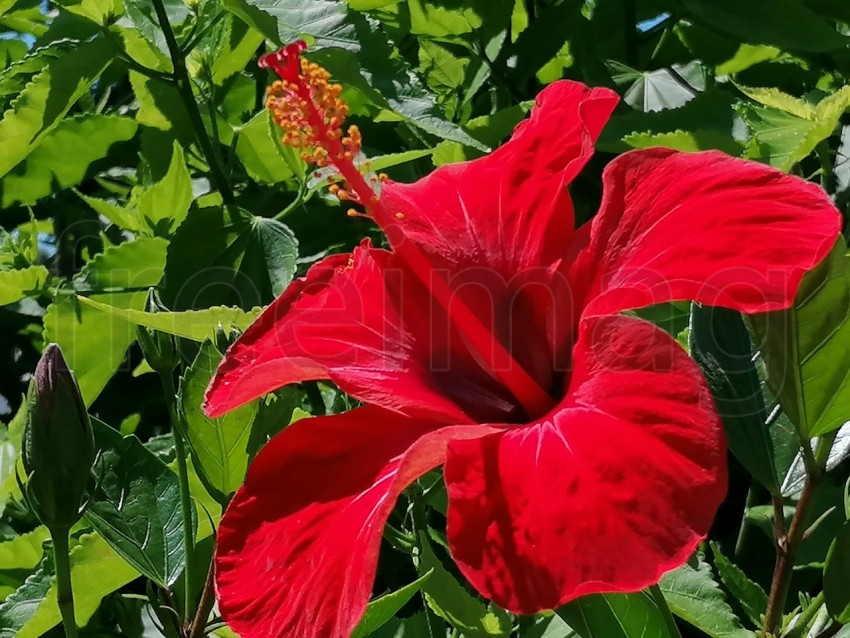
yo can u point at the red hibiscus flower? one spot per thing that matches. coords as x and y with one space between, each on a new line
581 448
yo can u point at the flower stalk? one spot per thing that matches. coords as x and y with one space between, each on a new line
64 590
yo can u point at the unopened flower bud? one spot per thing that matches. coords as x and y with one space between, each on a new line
157 346
58 446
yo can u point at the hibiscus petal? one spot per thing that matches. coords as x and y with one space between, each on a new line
298 546
612 489
510 209
366 324
702 226
495 227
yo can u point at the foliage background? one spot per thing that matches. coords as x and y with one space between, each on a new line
135 152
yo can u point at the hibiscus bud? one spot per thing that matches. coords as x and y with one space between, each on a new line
58 445
157 346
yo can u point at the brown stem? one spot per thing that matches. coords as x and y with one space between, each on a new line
788 543
199 622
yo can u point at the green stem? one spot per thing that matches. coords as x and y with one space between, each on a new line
184 88
787 544
64 591
661 603
806 617
183 479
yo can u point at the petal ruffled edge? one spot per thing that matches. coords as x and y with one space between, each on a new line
701 226
298 545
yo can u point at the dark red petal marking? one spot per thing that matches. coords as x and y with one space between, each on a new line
298 546
612 489
702 226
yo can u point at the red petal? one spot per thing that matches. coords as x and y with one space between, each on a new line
298 546
702 226
509 210
495 226
364 322
614 488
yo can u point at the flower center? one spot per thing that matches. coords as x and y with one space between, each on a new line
311 113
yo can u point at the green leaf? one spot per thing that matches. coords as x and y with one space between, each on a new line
121 216
259 149
136 507
720 344
442 19
688 141
835 573
708 118
488 129
21 606
694 596
45 101
219 446
10 449
788 130
776 99
450 601
96 571
749 594
416 626
24 551
351 46
235 50
660 89
781 139
615 616
165 205
92 341
381 610
132 265
550 627
98 11
383 162
228 257
196 325
47 169
143 16
804 348
18 284
767 22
